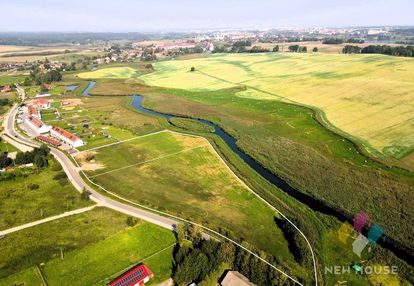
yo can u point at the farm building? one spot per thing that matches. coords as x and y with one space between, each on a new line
5 88
234 278
66 137
41 103
37 125
49 140
137 276
33 112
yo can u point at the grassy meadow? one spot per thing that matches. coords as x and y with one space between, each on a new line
35 194
366 96
110 257
97 246
113 72
181 175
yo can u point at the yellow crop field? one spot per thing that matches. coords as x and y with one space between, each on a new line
116 72
369 97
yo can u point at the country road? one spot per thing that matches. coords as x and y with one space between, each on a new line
72 172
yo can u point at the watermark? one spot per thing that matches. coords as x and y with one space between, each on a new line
375 232
365 270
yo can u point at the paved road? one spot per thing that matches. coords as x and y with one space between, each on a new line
73 174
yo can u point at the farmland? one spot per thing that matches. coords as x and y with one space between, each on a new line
35 194
98 121
114 72
168 172
97 239
366 96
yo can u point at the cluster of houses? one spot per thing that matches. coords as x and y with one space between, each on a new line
5 88
34 121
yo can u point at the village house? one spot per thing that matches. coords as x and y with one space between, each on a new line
6 88
66 137
33 112
41 103
137 276
234 278
37 125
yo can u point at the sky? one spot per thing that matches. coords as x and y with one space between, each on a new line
164 15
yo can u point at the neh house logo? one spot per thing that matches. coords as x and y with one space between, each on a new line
361 221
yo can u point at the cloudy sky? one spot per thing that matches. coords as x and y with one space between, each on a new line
138 15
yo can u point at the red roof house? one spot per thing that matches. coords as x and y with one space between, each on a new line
137 276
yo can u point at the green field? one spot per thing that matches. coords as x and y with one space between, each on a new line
367 96
52 194
97 247
30 277
98 121
181 175
110 257
6 147
113 72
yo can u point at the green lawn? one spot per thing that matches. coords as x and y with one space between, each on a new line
6 147
182 176
19 204
26 248
11 79
30 277
101 260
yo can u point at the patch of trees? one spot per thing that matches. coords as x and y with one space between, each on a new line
5 161
298 49
332 41
297 244
354 41
4 101
401 51
38 157
315 50
350 49
39 77
276 48
304 39
257 49
196 258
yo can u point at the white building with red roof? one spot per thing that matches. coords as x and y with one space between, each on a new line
33 112
41 103
37 125
66 137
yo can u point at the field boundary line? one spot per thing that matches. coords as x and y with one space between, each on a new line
147 161
122 141
129 267
187 221
262 199
48 219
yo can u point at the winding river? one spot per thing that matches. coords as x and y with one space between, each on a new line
272 178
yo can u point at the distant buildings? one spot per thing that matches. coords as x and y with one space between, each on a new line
33 121
6 88
137 276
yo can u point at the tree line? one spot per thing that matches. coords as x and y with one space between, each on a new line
401 51
195 259
38 157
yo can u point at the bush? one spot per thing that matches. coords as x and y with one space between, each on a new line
32 186
131 221
85 195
